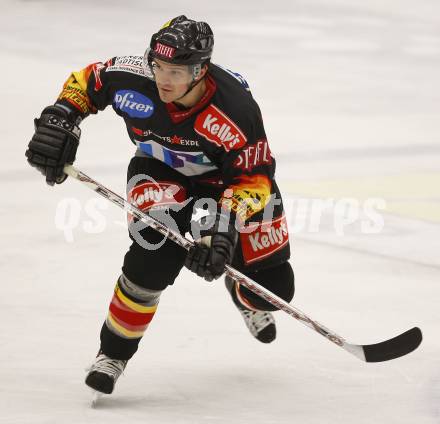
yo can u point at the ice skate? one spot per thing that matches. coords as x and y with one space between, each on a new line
261 324
103 374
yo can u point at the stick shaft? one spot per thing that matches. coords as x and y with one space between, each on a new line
230 271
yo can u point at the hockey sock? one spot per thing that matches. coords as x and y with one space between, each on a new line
131 309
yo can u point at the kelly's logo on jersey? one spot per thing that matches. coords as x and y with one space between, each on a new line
264 239
134 104
216 127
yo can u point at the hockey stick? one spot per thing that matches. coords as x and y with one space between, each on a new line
384 351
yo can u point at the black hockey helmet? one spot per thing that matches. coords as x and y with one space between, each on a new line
182 41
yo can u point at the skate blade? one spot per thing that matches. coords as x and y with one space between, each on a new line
95 398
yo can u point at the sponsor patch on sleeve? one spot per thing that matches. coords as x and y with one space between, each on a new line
254 155
219 129
264 239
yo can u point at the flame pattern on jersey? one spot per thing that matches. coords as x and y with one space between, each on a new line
75 91
247 197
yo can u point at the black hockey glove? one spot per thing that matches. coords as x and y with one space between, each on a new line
54 143
208 257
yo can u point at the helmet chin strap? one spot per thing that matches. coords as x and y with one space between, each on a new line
190 87
196 71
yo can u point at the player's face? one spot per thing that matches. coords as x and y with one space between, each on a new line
172 80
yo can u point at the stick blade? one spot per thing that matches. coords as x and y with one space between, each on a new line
394 348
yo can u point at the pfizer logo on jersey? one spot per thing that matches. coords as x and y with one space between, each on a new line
134 104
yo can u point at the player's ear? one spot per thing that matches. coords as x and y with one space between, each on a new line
203 71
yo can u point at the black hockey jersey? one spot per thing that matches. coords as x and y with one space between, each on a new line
221 139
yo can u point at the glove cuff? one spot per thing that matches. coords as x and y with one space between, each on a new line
218 223
58 118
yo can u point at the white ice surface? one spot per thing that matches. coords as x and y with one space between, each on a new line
351 98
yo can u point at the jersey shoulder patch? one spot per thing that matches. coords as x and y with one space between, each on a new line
130 64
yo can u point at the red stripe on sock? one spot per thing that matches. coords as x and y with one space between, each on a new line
130 327
124 314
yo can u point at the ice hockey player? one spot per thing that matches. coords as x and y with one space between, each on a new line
198 134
